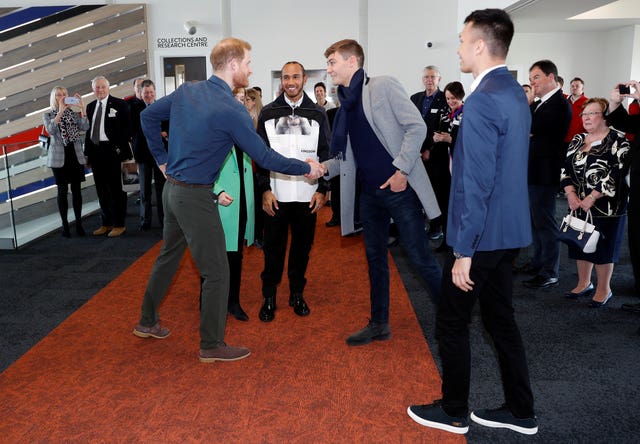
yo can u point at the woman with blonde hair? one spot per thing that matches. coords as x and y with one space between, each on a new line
65 157
253 102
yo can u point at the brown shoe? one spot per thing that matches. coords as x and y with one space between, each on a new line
102 230
117 231
223 352
151 332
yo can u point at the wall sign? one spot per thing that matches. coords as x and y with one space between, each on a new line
181 42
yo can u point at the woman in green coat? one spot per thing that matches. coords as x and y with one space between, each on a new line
236 205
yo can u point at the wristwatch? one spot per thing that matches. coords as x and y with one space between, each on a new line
458 255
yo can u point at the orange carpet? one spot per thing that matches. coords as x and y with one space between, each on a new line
92 381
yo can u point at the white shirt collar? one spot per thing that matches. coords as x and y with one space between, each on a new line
548 95
294 104
481 76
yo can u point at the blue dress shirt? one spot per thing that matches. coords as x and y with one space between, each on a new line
205 122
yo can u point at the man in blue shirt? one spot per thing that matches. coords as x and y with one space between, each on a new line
205 122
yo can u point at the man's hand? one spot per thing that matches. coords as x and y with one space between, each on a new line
269 203
317 169
425 154
163 169
460 274
317 201
224 199
397 182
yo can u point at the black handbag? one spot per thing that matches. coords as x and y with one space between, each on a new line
44 140
578 232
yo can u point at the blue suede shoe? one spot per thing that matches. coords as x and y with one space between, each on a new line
583 294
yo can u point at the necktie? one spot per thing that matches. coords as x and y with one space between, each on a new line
95 131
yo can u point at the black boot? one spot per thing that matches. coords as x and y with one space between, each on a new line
267 312
237 312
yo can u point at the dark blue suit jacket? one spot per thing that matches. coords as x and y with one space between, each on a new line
489 203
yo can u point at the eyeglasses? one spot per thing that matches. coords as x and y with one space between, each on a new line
593 113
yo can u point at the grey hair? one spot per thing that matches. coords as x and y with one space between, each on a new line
433 68
95 79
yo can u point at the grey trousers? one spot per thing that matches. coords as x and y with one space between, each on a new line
191 219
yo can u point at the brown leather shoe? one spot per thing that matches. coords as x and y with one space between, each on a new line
151 332
223 352
102 230
117 231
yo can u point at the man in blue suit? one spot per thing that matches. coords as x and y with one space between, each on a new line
488 222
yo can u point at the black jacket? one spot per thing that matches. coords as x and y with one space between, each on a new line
547 148
438 108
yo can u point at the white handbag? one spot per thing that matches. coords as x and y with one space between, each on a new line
579 232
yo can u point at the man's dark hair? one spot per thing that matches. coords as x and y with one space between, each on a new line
294 62
496 28
547 67
560 81
320 84
147 82
576 79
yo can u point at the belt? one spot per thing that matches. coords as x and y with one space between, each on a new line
173 181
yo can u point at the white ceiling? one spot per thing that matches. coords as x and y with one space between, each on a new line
573 15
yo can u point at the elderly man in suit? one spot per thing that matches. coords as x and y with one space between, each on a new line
377 134
551 117
432 105
106 146
488 222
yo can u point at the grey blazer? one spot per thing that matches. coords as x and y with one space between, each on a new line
399 126
55 156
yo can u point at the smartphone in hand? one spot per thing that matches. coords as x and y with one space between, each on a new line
71 101
623 89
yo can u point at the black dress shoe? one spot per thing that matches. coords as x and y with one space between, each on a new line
584 293
237 312
372 332
332 222
299 305
597 304
633 308
540 282
79 230
268 310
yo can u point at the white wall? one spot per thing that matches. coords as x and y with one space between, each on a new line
280 30
590 56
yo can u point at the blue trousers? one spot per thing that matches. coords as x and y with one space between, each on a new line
376 210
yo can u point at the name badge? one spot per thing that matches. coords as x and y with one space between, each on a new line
434 111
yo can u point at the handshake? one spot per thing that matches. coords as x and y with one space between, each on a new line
317 169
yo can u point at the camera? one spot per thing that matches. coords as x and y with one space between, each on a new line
71 101
623 89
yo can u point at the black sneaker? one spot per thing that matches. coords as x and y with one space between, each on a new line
502 418
432 415
372 332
